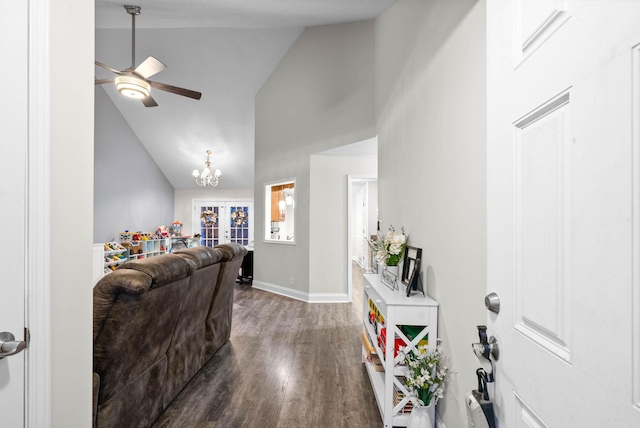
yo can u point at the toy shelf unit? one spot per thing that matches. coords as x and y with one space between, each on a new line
114 255
413 322
107 257
149 248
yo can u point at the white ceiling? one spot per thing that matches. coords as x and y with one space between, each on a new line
225 49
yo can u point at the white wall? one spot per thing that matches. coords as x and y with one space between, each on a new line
328 253
71 162
183 203
319 97
431 113
131 192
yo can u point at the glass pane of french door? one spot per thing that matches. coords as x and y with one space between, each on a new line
239 217
210 225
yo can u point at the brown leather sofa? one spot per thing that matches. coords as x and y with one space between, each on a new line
156 322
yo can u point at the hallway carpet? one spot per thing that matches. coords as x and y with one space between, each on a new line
288 364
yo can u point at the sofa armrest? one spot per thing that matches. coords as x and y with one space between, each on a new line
107 290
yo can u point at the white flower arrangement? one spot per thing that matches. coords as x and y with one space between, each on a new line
427 373
389 249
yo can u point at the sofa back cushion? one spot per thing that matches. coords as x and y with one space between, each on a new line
218 329
202 256
186 350
163 269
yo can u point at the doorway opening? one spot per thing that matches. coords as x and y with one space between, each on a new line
362 224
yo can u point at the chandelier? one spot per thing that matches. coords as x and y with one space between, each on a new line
207 179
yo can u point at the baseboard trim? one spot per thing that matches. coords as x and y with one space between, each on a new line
301 295
283 291
328 298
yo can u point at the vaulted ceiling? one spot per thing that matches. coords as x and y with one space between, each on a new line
225 49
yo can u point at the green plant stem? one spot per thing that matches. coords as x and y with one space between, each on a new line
394 260
425 396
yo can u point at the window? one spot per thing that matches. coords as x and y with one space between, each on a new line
279 211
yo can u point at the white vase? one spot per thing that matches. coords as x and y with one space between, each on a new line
421 417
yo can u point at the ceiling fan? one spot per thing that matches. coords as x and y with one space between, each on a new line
133 82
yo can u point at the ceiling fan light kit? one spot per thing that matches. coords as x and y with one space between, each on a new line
133 82
132 87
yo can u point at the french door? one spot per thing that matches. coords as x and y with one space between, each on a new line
224 221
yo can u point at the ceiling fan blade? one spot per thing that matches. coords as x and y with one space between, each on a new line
175 90
149 102
103 81
149 67
111 69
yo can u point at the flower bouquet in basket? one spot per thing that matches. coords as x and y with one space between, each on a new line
389 249
427 373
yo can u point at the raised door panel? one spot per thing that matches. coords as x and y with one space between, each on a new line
536 22
542 235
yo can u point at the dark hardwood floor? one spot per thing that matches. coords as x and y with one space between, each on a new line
288 364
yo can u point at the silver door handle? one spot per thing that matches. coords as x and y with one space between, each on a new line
9 345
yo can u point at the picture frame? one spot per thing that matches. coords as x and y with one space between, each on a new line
411 270
389 279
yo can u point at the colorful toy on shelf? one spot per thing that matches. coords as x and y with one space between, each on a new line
162 232
176 228
125 236
113 246
134 248
382 340
374 314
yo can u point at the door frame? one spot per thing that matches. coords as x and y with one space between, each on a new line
38 222
635 138
350 179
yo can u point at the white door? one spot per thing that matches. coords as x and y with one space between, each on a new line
221 222
562 234
13 173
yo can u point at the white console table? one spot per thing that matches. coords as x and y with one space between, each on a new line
397 310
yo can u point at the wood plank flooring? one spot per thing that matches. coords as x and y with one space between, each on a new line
288 364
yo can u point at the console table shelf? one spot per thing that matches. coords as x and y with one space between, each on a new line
392 310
